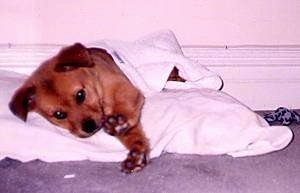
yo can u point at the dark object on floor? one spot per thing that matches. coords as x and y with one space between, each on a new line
276 172
283 116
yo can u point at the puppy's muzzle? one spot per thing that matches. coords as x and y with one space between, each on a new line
89 126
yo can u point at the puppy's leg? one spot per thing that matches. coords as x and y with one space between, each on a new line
122 111
138 146
133 138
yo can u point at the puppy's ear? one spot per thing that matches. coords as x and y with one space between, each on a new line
73 57
23 101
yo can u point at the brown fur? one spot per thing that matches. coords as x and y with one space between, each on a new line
83 90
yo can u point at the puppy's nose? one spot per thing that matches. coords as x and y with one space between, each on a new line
89 126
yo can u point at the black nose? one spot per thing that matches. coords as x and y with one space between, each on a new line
89 126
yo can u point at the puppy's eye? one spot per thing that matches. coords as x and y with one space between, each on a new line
80 96
60 115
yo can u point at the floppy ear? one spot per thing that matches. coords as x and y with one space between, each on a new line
73 57
22 102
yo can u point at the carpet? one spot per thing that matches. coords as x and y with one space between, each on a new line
276 172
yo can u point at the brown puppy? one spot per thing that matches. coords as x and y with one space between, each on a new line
83 90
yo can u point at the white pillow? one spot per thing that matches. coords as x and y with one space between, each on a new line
193 121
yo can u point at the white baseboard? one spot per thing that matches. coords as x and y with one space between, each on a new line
260 77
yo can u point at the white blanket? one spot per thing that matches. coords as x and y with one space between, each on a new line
194 118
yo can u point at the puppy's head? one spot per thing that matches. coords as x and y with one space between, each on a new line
66 91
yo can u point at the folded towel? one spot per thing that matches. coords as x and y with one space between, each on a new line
149 61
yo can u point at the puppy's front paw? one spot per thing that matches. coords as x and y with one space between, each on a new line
116 125
135 161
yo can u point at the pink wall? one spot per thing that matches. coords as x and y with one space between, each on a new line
195 22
